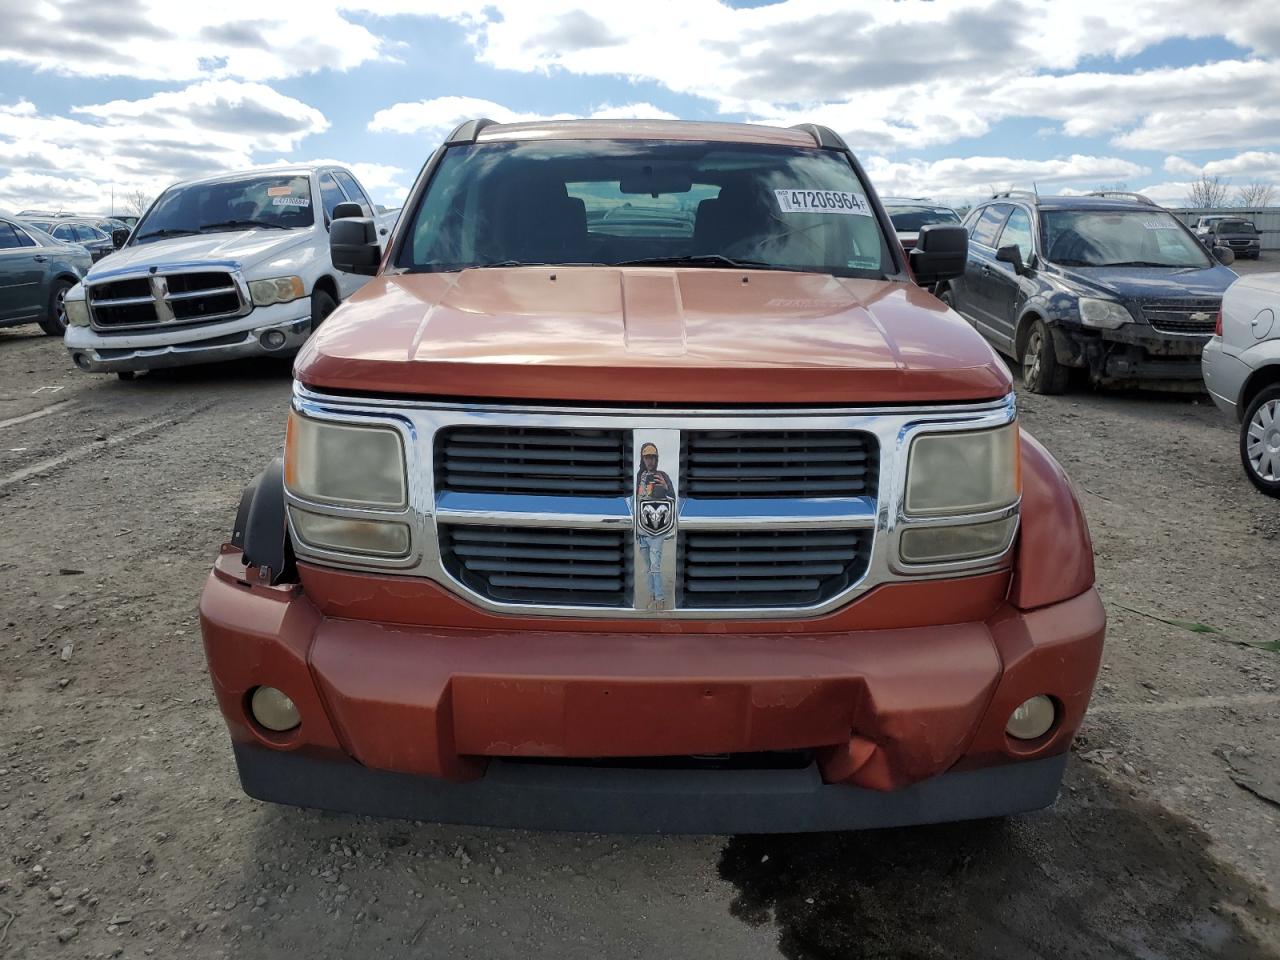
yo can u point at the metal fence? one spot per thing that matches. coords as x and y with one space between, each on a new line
1266 219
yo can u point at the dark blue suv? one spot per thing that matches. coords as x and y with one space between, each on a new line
1116 286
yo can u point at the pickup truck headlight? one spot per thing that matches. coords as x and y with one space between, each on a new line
347 465
278 290
1103 314
77 312
956 475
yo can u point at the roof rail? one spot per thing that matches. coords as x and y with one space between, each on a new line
1015 193
467 131
1123 195
824 137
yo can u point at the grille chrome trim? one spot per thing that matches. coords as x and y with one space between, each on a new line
163 298
893 427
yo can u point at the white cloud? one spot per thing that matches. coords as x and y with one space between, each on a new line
1252 164
1180 167
437 117
972 177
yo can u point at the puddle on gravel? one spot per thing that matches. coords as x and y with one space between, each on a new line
1098 875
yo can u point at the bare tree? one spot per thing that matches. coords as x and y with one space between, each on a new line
137 202
1208 192
1256 194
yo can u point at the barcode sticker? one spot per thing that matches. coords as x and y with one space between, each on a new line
822 201
291 201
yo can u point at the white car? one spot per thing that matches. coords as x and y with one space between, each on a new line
1241 366
231 266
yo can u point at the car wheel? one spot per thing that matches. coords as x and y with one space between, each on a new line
1260 441
321 306
55 324
1041 371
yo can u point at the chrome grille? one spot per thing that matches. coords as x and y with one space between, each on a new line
524 460
1183 316
750 568
540 566
165 298
779 464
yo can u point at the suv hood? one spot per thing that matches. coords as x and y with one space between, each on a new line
651 335
1150 283
246 247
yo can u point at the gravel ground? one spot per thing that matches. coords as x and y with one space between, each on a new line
123 831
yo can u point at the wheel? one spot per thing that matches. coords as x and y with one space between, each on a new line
1260 441
1041 371
321 306
55 324
947 297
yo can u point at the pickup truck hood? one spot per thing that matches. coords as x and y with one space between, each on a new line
246 247
651 335
1150 283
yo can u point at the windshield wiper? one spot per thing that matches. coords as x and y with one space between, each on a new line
698 260
225 224
1137 263
167 232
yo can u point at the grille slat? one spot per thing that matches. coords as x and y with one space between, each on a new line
1174 316
532 460
548 567
755 569
729 464
190 297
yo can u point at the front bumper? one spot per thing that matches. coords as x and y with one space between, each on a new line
1133 352
1224 377
96 352
509 723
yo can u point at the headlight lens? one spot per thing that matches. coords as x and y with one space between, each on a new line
278 290
1104 314
379 538
968 472
947 544
77 312
345 464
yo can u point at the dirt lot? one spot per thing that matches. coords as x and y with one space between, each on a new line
123 831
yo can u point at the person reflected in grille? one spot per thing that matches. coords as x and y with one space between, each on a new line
655 506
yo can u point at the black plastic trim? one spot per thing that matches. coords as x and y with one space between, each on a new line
612 799
262 530
824 137
467 131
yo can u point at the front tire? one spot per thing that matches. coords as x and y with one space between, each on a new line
321 306
1041 371
1260 441
55 323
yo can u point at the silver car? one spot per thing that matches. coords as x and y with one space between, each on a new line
1241 366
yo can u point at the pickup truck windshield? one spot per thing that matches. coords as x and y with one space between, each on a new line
281 201
1234 226
1112 238
908 219
629 202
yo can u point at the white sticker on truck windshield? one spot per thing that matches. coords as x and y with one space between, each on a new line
1159 223
822 201
290 202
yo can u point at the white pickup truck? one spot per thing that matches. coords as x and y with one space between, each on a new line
231 266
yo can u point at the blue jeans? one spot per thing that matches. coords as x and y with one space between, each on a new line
652 547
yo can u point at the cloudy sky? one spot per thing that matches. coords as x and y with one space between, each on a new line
940 98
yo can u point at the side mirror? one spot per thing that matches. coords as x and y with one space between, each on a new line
347 210
119 237
353 244
1224 255
1012 255
940 253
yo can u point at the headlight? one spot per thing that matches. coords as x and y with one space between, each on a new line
953 475
77 312
344 464
375 537
279 290
1104 314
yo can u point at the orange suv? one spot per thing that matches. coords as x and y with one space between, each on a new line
643 489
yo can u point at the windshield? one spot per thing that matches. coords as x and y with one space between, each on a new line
626 202
909 219
280 201
1234 226
1105 238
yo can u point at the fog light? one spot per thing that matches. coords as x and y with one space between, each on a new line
1032 719
81 361
273 709
272 339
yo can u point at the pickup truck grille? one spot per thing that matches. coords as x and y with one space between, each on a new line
543 566
530 460
749 568
778 464
1195 316
161 299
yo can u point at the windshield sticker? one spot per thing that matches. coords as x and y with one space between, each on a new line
290 202
1159 223
822 201
279 191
